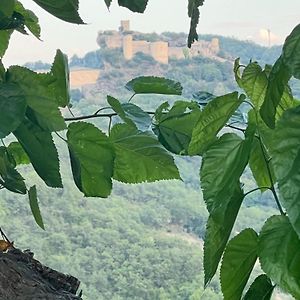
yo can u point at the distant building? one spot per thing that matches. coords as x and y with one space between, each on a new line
159 50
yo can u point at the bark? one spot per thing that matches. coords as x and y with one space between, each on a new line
24 278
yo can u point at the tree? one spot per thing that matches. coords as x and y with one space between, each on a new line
268 142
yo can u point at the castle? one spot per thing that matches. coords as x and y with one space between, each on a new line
161 51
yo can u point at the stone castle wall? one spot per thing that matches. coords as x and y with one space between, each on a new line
160 50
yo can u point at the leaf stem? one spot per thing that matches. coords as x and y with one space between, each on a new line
256 189
236 128
100 109
131 97
61 137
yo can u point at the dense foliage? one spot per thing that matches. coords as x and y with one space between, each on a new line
137 147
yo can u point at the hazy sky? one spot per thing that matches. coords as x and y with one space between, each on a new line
243 19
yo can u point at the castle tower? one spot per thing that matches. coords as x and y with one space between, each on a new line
215 45
125 26
127 47
160 52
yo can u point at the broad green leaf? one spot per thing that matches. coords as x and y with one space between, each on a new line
2 72
212 119
39 147
7 7
134 5
12 108
291 51
219 227
259 165
4 41
277 83
285 151
254 81
10 178
140 157
61 83
31 20
237 72
66 10
130 114
18 153
174 128
92 158
194 14
34 205
238 261
279 254
40 97
222 164
261 289
154 85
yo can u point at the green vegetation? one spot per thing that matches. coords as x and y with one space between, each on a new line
135 256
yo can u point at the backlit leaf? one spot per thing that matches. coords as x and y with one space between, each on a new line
238 261
18 153
154 85
92 158
39 147
279 254
213 118
140 157
34 205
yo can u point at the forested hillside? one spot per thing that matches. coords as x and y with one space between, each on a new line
144 241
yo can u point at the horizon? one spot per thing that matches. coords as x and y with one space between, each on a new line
230 21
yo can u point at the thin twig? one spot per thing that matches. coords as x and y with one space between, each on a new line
60 137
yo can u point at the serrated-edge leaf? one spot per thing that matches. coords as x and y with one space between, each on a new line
238 261
41 150
212 119
140 157
92 158
34 205
261 289
279 254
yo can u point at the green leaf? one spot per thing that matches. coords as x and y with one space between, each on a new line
17 152
40 97
66 10
7 7
34 205
278 80
174 128
92 158
4 41
285 151
130 114
31 20
39 146
194 14
238 261
154 85
259 166
134 5
237 72
140 157
291 51
213 118
232 154
279 254
61 82
222 165
255 81
12 108
260 289
219 227
10 178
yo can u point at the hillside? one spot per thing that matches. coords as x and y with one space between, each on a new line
145 241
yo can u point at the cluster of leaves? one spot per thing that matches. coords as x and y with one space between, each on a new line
137 148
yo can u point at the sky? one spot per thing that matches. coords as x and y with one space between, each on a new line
242 19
